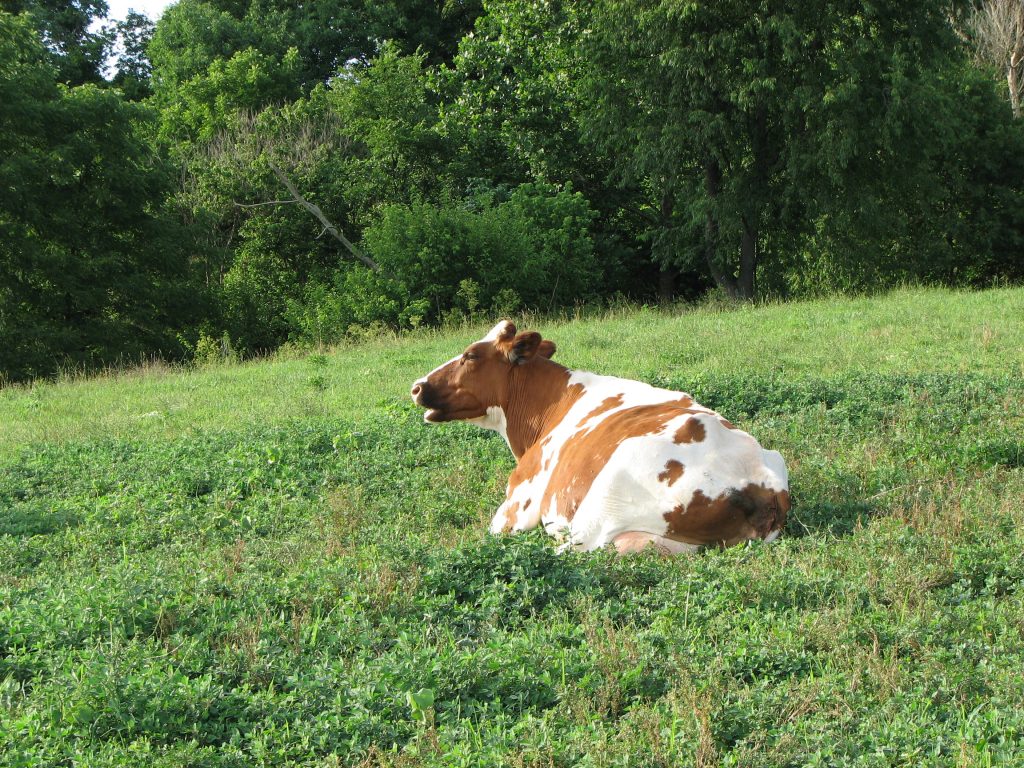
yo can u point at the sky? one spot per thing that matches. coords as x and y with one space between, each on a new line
151 8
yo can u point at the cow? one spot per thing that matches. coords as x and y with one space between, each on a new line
603 460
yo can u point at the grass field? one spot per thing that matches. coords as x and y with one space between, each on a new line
278 563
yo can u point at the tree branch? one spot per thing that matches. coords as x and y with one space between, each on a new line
315 210
269 202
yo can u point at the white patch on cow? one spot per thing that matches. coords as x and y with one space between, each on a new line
773 535
494 420
500 520
497 331
773 460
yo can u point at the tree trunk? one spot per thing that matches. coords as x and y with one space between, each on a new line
713 185
666 274
1016 59
748 260
1014 84
666 284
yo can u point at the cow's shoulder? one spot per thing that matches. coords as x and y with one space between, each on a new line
609 398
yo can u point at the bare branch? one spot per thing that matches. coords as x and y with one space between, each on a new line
315 210
998 27
269 202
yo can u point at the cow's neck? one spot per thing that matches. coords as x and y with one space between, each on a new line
539 396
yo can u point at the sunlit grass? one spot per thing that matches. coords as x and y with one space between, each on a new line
909 331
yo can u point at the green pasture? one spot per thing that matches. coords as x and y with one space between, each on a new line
277 563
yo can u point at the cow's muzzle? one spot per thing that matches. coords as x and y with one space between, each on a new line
425 396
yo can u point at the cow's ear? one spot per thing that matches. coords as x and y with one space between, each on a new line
502 333
524 347
546 349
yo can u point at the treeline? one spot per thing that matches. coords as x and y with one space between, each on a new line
252 172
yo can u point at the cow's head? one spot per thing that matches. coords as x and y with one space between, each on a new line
467 386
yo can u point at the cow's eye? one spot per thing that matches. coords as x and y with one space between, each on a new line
469 357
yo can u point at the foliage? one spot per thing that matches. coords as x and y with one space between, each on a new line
756 122
81 289
75 40
310 584
952 218
560 152
536 243
134 69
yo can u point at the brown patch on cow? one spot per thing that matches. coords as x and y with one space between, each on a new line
673 471
526 504
538 400
751 512
586 453
684 402
784 505
726 423
606 405
691 431
510 516
529 434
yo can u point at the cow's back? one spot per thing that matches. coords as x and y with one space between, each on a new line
628 457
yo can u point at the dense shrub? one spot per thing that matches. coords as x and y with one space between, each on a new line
494 253
536 243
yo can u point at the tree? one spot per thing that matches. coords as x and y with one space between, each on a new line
743 116
515 113
998 33
68 29
92 267
134 69
283 186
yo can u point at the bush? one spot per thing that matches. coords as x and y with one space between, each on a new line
356 300
534 249
482 257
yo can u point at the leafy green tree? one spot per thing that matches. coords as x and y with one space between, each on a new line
134 70
67 27
92 268
387 116
745 117
432 28
949 209
515 112
367 141
328 37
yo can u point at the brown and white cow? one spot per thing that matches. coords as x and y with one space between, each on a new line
603 460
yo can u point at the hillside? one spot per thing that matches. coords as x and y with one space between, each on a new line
278 563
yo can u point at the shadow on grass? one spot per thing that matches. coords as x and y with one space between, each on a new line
35 520
832 507
810 518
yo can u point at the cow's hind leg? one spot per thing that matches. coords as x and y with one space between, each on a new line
637 541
